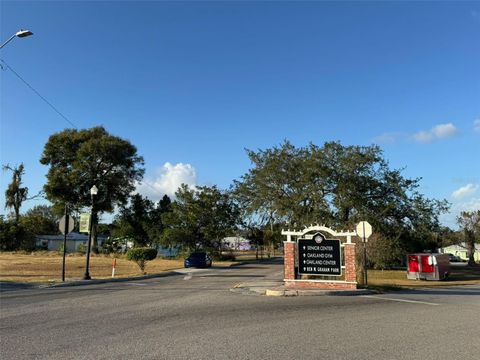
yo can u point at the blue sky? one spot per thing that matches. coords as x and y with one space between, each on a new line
192 84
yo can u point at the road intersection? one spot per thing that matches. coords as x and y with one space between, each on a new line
195 314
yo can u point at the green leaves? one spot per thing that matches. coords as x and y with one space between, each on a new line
335 185
79 159
200 218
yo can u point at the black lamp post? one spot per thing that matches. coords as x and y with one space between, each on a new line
93 192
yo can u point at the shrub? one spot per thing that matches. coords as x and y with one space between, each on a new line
141 255
82 249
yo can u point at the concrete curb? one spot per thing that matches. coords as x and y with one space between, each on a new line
104 281
277 291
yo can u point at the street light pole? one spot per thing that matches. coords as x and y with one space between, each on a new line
20 34
93 192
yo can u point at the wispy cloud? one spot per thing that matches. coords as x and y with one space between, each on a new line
167 180
465 191
389 138
450 218
440 131
476 125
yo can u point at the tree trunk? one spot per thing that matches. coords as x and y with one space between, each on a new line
470 239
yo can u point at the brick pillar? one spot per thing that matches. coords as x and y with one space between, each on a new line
350 263
289 260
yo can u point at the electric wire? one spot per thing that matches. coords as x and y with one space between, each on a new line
38 94
52 106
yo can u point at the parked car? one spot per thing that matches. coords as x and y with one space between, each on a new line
454 258
199 260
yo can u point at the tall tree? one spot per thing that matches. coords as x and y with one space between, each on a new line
200 218
339 186
470 223
15 194
133 221
79 159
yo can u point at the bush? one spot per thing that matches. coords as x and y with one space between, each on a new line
82 249
141 255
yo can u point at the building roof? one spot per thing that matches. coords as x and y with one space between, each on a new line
460 247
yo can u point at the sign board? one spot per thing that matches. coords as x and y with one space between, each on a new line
319 256
364 230
70 224
84 223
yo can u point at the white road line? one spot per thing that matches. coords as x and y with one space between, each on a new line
400 300
137 284
188 277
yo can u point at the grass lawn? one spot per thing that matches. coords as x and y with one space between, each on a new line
46 266
459 275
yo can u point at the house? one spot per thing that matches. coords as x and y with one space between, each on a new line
461 251
55 242
236 243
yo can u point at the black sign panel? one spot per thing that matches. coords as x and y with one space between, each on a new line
319 257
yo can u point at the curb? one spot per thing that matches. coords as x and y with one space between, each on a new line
110 280
282 291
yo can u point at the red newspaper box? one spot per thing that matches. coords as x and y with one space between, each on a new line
427 266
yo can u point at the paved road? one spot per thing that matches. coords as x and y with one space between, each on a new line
195 315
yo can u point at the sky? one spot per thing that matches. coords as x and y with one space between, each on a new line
194 84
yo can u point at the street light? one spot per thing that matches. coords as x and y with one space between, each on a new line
21 34
93 193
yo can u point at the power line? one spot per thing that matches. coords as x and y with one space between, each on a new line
38 94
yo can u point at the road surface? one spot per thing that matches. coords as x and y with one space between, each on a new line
195 315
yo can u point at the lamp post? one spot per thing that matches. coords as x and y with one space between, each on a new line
20 34
93 192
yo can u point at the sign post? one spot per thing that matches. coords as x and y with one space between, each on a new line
65 226
364 230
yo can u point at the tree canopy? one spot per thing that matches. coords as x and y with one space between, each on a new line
15 194
79 159
469 221
338 186
141 220
200 218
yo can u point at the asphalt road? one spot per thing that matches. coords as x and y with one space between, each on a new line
195 315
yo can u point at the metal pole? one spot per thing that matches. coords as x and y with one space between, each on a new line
90 227
364 257
65 232
6 42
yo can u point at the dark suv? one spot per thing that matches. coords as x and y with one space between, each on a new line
199 260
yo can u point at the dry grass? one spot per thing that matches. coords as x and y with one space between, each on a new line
460 275
47 267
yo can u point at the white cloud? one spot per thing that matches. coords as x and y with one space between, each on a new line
450 218
423 137
444 130
167 181
476 125
439 131
465 191
388 138
472 205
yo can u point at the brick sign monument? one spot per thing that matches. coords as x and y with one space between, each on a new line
315 261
